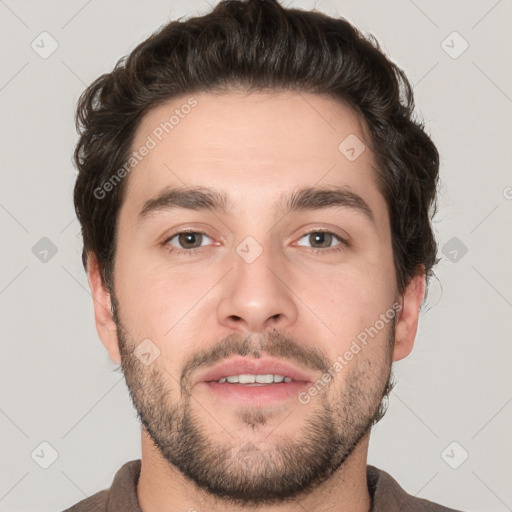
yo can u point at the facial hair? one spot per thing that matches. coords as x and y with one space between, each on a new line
243 473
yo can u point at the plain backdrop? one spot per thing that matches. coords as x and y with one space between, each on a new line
63 406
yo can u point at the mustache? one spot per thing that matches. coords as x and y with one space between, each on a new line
271 343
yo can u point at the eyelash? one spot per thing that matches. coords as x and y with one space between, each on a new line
191 252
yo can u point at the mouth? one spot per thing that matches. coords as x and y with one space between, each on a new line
255 381
245 371
255 393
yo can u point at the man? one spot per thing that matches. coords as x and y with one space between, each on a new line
255 201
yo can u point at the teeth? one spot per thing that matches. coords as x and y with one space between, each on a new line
252 379
263 379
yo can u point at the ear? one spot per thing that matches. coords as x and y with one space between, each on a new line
407 319
105 325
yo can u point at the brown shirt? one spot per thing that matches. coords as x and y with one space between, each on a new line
386 493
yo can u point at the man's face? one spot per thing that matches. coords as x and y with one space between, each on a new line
255 281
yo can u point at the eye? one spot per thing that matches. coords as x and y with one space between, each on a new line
324 240
186 241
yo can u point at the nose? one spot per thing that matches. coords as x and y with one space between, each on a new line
257 295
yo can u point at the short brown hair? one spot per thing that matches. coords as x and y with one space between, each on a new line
259 45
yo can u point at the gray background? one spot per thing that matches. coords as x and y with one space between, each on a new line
57 384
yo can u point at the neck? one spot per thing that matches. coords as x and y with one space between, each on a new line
162 488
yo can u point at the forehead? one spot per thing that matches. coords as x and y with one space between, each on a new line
251 144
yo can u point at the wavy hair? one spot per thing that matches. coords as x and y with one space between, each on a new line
259 45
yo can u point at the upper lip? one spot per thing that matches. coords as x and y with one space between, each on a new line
261 366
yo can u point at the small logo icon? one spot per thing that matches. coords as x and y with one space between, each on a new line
44 250
44 45
454 455
454 45
249 249
454 249
351 147
146 352
44 455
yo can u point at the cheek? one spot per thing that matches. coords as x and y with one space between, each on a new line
348 300
144 295
164 305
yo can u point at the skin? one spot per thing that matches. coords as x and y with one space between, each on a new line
289 302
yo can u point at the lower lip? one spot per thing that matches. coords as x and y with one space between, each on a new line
258 395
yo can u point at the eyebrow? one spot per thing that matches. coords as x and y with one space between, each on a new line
302 199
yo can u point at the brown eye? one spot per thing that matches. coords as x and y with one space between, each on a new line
190 240
187 240
322 239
